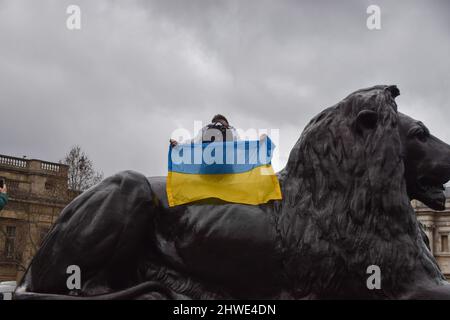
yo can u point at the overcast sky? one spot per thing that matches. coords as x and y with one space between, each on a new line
138 70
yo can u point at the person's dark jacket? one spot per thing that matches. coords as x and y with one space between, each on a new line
3 200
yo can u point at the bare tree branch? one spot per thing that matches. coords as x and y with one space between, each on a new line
81 170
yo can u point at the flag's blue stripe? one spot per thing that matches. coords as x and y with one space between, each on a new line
231 157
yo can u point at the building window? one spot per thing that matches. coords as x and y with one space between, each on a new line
49 185
444 243
13 186
10 241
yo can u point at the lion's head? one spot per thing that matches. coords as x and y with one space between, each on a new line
353 150
346 197
427 163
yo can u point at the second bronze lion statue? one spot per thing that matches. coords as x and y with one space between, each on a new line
346 190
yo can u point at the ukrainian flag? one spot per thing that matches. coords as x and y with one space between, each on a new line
234 171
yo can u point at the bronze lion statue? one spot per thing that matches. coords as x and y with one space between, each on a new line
346 190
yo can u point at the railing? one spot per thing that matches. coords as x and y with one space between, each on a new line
33 165
49 166
13 162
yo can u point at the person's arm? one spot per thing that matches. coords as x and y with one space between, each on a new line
199 137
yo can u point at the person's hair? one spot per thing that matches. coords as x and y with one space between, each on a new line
219 117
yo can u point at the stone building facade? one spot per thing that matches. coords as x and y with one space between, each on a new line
437 228
37 192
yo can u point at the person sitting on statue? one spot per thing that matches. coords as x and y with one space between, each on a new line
209 132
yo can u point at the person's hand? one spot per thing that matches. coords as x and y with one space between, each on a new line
4 189
173 143
263 137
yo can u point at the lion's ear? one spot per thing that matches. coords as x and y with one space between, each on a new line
366 119
393 90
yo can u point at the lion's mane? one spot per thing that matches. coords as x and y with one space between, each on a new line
346 206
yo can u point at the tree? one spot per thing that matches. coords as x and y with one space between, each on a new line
81 170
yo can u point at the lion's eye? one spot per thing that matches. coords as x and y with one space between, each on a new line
420 134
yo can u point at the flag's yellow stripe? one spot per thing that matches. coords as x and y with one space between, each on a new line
256 186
